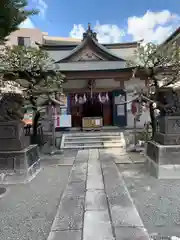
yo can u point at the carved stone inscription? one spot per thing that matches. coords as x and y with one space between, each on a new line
7 131
170 125
175 125
173 150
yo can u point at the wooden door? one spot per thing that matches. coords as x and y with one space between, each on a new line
107 115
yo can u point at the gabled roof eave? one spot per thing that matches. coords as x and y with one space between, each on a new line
98 45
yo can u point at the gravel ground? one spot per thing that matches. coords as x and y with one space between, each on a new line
157 201
27 211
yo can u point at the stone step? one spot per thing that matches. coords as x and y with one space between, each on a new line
92 137
89 140
88 146
84 141
98 133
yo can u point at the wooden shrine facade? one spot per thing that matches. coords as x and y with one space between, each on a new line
95 78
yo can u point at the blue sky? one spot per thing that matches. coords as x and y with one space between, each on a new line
114 21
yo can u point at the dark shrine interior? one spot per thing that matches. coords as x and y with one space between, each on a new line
92 108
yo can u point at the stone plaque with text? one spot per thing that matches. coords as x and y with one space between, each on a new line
169 125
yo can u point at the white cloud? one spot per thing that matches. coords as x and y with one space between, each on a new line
42 7
77 31
153 26
27 24
106 33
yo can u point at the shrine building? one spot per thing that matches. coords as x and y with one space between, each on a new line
97 73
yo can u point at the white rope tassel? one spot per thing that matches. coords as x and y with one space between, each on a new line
84 97
107 97
99 96
76 98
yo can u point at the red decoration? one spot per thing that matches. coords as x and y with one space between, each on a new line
134 108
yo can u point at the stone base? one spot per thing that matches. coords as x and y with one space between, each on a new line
12 136
19 166
167 139
163 171
163 161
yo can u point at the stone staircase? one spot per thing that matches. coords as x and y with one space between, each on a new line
87 140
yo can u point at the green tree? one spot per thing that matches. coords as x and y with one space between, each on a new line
12 14
35 72
160 64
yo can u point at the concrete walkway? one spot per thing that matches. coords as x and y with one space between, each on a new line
96 203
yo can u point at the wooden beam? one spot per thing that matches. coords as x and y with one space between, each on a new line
83 90
117 76
97 75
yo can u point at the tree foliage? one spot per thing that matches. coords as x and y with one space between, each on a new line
161 66
34 71
160 63
32 68
12 14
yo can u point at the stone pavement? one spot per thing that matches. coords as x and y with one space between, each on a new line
96 203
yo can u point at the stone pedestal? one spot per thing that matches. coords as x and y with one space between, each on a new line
12 136
19 161
163 154
163 161
19 166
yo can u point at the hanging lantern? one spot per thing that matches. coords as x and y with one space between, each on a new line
134 107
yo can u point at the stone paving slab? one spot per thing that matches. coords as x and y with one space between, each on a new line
112 151
97 223
95 181
122 209
137 157
122 159
95 189
93 154
69 215
96 200
97 226
76 189
125 217
79 172
82 156
94 178
66 235
117 158
131 233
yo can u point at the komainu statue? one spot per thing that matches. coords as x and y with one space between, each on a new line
11 107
